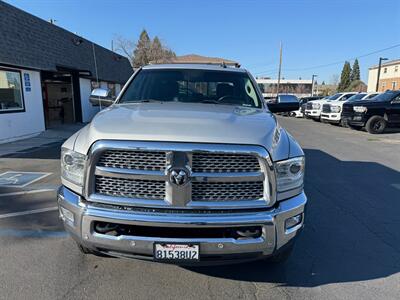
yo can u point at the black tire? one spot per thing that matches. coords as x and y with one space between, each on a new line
83 249
316 119
375 125
282 256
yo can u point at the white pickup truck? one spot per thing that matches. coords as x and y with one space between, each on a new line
314 108
187 166
332 111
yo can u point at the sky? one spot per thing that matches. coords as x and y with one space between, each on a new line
317 35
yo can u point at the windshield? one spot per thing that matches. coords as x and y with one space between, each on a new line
357 97
334 97
192 85
387 96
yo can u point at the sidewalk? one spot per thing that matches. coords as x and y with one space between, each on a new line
47 138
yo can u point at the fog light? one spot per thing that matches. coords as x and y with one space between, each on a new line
66 214
293 221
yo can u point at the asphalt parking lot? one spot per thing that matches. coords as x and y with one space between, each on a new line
349 249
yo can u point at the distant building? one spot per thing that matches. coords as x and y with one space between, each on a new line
298 87
47 74
198 59
389 78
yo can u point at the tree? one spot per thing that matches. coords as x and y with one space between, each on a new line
345 77
144 50
141 54
355 72
334 80
125 47
159 53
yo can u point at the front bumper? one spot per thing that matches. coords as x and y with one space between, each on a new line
331 117
273 238
356 119
312 113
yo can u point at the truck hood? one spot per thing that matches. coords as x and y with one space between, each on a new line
369 103
186 122
337 103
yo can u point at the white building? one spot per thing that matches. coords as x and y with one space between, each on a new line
389 78
47 74
298 87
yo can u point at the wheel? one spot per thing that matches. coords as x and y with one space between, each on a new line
316 119
282 256
292 114
375 125
343 123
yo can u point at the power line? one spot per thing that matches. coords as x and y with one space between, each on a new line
332 63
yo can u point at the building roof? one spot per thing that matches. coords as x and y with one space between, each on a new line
193 66
198 59
387 63
30 42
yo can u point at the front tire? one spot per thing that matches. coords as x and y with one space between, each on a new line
83 249
375 125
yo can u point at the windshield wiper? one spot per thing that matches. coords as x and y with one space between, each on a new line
144 101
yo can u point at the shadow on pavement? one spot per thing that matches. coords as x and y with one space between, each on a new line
351 233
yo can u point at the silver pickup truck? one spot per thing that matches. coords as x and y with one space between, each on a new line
188 166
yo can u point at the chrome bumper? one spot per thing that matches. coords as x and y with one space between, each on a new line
274 236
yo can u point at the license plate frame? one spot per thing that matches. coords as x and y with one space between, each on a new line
175 256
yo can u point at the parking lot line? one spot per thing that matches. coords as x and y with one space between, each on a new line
28 212
27 192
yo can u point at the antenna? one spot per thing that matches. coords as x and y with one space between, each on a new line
95 68
279 71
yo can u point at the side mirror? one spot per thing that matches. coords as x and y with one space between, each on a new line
101 97
276 107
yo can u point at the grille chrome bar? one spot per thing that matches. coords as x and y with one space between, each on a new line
130 174
181 197
227 177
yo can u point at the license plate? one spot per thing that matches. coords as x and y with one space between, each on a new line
176 252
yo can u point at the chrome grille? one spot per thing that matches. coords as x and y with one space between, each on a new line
132 173
326 108
227 191
120 187
134 160
224 163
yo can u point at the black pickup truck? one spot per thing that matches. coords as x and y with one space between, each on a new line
376 114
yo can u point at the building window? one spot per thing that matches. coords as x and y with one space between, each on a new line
11 98
394 83
383 86
111 87
385 70
396 68
95 85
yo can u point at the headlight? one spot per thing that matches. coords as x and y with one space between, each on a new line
72 166
360 109
335 109
316 106
289 173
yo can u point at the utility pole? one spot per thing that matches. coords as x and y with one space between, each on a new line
112 45
379 72
312 85
279 71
